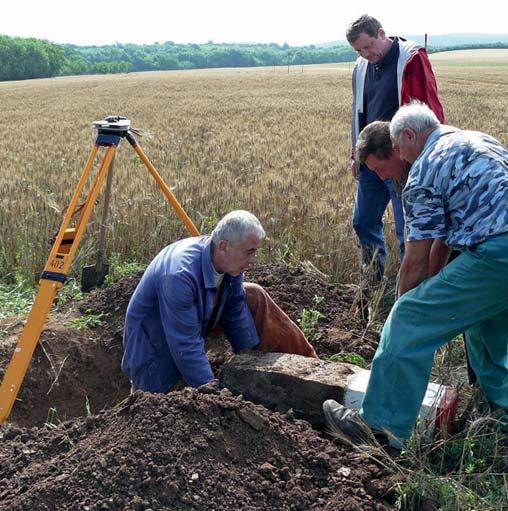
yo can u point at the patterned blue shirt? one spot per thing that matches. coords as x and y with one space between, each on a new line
457 189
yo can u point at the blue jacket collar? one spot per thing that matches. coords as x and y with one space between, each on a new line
206 264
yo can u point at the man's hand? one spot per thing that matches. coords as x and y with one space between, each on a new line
211 387
415 265
354 169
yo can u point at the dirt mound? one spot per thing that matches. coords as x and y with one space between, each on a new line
189 450
111 305
72 373
192 449
294 289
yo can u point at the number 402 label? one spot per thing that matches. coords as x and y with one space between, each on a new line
56 264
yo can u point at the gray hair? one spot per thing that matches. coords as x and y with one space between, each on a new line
416 116
236 226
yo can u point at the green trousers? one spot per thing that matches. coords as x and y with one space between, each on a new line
469 295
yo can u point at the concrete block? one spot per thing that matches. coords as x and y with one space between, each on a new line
281 382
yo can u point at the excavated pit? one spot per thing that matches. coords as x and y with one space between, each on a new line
75 370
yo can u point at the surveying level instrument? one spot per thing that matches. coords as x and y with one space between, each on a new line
110 131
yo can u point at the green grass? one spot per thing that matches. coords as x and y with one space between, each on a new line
120 269
88 320
16 296
350 358
70 292
466 472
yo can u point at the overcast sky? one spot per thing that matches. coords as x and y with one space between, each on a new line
296 22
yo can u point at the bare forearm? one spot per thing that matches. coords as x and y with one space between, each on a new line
415 265
439 255
412 276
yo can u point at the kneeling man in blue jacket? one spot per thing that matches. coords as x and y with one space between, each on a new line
190 287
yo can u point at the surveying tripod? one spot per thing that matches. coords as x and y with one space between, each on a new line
110 132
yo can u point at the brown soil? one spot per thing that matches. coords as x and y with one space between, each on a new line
192 450
189 450
295 288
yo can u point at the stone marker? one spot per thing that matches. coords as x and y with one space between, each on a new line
281 382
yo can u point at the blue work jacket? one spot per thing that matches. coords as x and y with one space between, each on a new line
168 315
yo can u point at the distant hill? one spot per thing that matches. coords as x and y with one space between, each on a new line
459 39
441 40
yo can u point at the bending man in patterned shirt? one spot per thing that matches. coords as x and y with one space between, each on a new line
456 192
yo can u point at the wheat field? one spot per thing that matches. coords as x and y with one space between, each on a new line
274 141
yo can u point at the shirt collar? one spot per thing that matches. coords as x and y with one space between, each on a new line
206 264
443 129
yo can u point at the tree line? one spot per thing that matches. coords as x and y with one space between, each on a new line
24 58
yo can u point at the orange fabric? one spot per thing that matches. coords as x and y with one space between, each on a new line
277 333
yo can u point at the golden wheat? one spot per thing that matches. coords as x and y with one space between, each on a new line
267 140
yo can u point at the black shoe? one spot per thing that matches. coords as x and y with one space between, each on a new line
347 425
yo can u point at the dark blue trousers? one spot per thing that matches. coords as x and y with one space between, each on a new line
372 197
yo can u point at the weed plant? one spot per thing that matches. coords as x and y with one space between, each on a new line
88 320
310 318
120 269
16 296
350 358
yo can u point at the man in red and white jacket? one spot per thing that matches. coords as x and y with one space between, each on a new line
389 72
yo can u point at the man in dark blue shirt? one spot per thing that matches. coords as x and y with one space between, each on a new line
389 72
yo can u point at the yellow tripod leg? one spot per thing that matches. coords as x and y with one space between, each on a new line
111 130
164 187
61 260
26 345
53 277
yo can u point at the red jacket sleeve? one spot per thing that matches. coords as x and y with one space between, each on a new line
419 82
